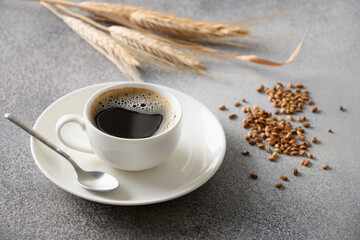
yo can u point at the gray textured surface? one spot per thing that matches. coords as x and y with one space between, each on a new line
41 60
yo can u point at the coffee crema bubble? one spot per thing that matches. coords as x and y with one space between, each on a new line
132 112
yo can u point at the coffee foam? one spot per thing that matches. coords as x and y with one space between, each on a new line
138 100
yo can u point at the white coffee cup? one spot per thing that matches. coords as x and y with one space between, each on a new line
126 153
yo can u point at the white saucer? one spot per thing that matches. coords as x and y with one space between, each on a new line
198 156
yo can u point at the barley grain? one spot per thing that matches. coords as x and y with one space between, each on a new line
272 158
253 176
284 177
222 107
232 116
261 146
267 149
314 109
325 166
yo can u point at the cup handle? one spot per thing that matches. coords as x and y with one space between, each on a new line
71 118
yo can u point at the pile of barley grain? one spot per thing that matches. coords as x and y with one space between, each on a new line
275 135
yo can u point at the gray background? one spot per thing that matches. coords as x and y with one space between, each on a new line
41 59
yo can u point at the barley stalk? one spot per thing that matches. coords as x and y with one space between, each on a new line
143 42
142 20
183 26
149 56
102 42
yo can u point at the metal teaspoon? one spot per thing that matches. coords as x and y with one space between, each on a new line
91 180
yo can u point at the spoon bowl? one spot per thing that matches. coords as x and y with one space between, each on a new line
97 181
91 180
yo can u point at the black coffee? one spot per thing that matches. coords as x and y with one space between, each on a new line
123 123
132 113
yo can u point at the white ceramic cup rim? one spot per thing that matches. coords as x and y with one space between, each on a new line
156 88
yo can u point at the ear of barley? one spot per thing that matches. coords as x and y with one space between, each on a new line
107 46
153 46
184 27
137 18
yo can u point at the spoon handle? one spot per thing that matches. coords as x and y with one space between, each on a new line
41 138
